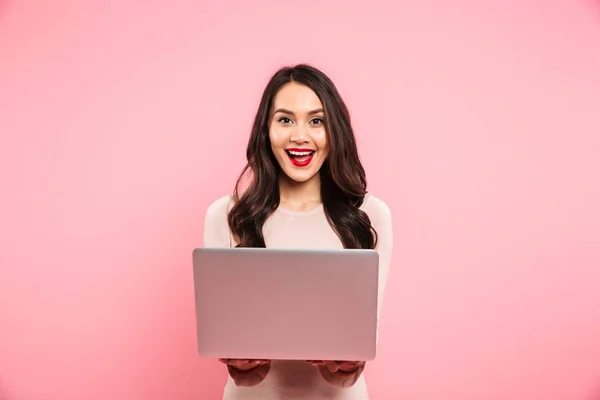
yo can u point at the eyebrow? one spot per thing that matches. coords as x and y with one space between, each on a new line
284 111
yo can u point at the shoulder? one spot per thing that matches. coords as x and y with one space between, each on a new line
381 220
216 226
376 209
219 207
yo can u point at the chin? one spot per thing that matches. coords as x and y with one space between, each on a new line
300 178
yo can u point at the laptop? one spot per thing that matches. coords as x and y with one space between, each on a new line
278 304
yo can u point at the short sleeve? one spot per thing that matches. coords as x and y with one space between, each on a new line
216 227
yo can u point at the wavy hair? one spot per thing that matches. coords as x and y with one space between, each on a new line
343 179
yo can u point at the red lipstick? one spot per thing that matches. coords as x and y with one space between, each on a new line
300 157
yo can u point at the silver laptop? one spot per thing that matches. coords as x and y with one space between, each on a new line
256 303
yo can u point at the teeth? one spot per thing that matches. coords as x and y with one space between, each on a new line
297 153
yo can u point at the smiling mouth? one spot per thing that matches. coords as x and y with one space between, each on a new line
300 157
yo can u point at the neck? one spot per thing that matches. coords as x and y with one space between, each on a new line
300 196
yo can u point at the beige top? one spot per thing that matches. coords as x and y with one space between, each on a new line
298 380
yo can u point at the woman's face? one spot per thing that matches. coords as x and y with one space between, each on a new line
297 132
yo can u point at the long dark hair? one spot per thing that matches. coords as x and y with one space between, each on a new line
343 180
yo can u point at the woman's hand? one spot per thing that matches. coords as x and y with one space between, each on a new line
247 372
340 373
243 365
343 366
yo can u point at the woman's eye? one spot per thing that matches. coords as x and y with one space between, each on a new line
317 121
285 120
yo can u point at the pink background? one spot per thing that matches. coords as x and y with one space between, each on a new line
478 122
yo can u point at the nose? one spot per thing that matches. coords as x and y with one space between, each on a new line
300 137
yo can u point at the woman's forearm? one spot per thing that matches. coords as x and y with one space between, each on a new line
251 377
341 378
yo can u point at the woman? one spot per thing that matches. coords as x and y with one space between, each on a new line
308 190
